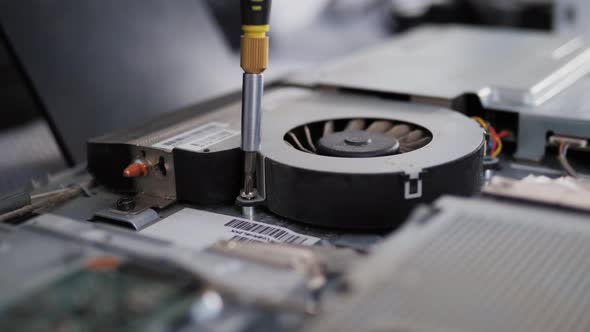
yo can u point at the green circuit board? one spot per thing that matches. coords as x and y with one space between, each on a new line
104 298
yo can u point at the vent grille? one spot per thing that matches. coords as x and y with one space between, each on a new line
480 273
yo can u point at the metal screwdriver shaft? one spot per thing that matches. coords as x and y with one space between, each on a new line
252 91
254 61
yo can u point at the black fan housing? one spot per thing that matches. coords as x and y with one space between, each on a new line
360 162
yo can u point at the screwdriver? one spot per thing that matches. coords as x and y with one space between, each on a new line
254 61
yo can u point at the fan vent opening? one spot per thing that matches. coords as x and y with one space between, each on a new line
358 138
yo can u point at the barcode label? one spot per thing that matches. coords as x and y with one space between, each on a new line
200 229
199 138
274 233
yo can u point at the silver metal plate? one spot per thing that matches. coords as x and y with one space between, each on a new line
501 66
540 76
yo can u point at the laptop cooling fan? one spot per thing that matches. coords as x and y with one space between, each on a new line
363 163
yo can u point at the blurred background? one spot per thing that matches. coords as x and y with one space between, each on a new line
71 70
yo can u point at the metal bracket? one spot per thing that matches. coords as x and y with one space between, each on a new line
137 220
413 178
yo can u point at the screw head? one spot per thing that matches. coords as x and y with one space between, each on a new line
126 204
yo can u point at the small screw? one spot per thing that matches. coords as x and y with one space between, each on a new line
125 204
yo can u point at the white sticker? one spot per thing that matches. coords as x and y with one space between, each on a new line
199 138
200 229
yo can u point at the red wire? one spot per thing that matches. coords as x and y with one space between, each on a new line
503 134
495 136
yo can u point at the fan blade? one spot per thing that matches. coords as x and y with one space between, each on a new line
328 128
413 136
407 147
297 143
380 126
308 138
399 131
357 124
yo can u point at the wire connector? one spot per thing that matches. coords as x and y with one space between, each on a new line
571 141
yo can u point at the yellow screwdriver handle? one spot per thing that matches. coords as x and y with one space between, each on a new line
255 42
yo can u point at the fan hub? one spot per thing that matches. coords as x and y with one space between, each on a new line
358 144
358 138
